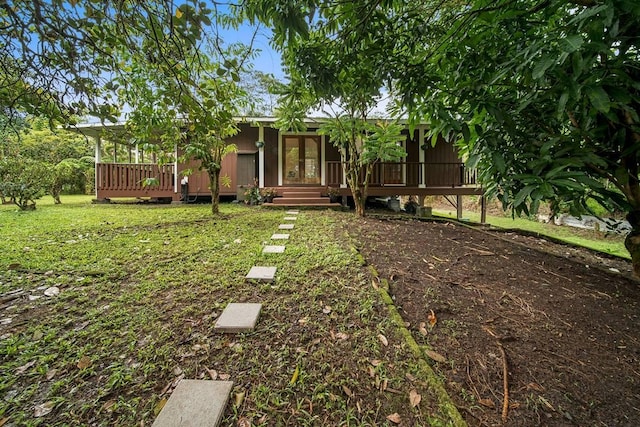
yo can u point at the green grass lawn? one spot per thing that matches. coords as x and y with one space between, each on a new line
140 288
610 244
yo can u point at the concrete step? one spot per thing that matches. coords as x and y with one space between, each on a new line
238 317
195 403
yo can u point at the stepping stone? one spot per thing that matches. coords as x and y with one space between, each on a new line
238 317
292 212
285 227
280 237
195 403
290 218
273 249
264 274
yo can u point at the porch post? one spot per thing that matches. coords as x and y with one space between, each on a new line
483 209
97 159
175 167
323 163
459 206
261 156
137 153
421 157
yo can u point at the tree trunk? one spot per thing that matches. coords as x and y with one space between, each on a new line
632 241
214 187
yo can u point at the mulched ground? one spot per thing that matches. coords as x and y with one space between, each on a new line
568 325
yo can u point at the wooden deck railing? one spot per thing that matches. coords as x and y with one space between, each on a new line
410 174
134 176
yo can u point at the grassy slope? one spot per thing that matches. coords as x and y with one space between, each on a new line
588 238
140 289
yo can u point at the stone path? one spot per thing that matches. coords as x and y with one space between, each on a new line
280 237
263 274
201 403
273 249
195 403
238 317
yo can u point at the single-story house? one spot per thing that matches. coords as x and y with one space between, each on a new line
295 163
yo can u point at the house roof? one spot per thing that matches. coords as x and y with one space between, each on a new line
97 129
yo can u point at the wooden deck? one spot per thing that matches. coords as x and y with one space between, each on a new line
131 180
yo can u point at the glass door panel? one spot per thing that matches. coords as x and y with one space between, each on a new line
311 160
292 165
301 160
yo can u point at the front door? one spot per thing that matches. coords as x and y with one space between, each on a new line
301 159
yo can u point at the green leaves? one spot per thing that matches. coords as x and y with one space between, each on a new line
599 98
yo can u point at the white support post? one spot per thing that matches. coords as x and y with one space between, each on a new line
280 161
137 153
98 159
344 173
175 168
421 157
261 155
323 163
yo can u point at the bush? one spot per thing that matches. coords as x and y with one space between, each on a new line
24 181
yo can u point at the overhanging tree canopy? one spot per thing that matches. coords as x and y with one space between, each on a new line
542 95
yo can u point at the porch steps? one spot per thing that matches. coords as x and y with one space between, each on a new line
303 197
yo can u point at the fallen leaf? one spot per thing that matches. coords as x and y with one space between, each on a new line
432 319
414 398
435 356
3 421
244 422
342 336
239 399
224 377
394 418
326 309
22 369
536 387
159 406
347 391
383 340
212 373
108 404
84 362
423 329
52 373
38 335
410 377
295 375
43 409
487 403
376 362
52 291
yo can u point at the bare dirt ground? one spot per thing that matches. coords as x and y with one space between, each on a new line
566 327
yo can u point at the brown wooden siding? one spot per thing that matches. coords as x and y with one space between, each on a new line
270 157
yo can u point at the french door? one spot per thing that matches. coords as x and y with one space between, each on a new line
301 163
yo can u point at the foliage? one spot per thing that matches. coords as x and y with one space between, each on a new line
74 174
39 142
62 58
252 194
198 121
361 145
268 193
542 96
262 90
24 181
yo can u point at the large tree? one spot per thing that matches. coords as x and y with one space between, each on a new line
60 58
198 121
333 74
542 95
